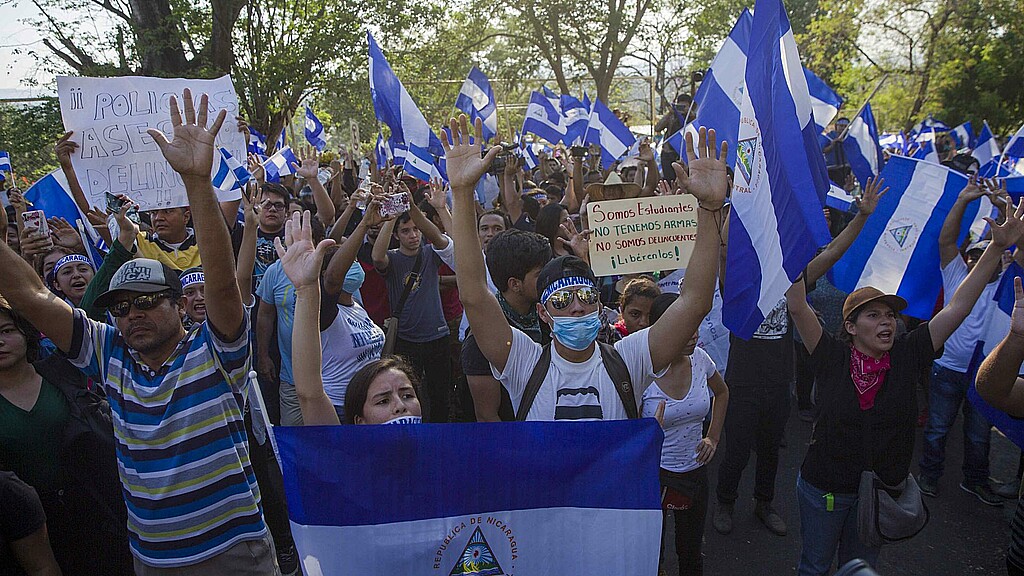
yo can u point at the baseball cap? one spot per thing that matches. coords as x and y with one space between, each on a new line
979 245
868 294
141 275
564 267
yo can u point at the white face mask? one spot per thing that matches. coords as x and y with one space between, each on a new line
405 420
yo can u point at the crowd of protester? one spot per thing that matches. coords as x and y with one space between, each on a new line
133 396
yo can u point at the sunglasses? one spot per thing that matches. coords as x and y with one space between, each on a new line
141 302
561 299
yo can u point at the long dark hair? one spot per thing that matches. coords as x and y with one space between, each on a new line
26 328
359 386
549 220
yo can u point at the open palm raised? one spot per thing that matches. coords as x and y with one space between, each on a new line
190 152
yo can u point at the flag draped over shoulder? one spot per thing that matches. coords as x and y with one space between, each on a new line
898 249
508 498
776 224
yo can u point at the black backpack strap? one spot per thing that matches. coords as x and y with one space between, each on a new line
540 371
617 371
414 274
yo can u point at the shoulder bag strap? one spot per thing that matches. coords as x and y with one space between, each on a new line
619 373
409 281
540 371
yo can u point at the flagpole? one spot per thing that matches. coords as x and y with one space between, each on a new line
863 106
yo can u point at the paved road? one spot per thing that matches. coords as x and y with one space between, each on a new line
964 537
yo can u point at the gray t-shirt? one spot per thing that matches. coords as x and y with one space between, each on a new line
422 318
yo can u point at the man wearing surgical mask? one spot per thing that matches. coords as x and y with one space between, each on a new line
349 339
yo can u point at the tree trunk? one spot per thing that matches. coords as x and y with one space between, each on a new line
220 53
157 38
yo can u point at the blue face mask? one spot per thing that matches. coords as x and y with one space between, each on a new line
353 279
576 332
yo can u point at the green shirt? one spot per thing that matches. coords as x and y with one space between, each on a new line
30 441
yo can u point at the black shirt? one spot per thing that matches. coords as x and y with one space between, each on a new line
22 516
767 358
839 449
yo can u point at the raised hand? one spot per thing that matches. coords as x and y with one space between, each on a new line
646 153
310 166
462 154
578 242
301 261
127 230
1010 231
372 216
64 234
1017 316
17 199
873 192
976 188
256 168
65 148
665 188
436 196
190 152
251 197
708 180
243 127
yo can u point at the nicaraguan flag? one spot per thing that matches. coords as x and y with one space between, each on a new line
890 141
230 174
315 131
52 195
280 144
575 117
776 224
398 152
964 135
526 152
861 146
825 103
544 119
394 106
898 249
549 94
476 99
839 199
1015 187
5 162
1015 147
926 147
381 151
930 122
280 164
997 327
419 163
551 498
257 142
606 130
987 147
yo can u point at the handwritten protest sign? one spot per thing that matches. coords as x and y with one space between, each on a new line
116 155
642 234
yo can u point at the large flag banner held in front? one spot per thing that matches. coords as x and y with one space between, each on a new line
116 155
485 499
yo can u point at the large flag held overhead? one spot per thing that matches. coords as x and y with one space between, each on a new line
898 249
476 99
861 146
52 195
549 498
825 103
543 118
776 225
394 106
575 117
315 131
606 130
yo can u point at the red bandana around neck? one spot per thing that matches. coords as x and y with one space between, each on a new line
867 374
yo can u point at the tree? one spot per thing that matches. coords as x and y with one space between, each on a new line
28 132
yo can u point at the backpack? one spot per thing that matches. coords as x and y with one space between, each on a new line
613 364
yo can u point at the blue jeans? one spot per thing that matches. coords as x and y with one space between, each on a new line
947 394
821 531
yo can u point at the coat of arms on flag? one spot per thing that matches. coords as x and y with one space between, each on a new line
477 558
746 153
900 234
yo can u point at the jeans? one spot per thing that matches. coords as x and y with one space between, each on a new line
756 418
821 531
947 395
433 361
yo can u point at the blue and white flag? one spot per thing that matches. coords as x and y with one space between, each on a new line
280 163
575 117
964 135
476 99
890 141
825 103
230 174
839 199
549 94
257 142
898 249
544 119
776 224
987 147
394 106
930 122
555 498
996 328
1015 147
606 130
420 163
315 131
280 144
526 152
52 194
5 162
926 147
381 151
861 146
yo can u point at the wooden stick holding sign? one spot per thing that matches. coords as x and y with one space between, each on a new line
642 234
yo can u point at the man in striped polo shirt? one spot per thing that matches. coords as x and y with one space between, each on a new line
192 498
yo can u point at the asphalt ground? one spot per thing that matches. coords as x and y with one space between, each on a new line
963 536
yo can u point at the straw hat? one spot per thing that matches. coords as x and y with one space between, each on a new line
613 188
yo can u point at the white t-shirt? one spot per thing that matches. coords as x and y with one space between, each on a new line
464 325
576 391
684 419
959 348
349 343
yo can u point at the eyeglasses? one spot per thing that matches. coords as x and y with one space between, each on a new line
279 206
141 302
561 299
